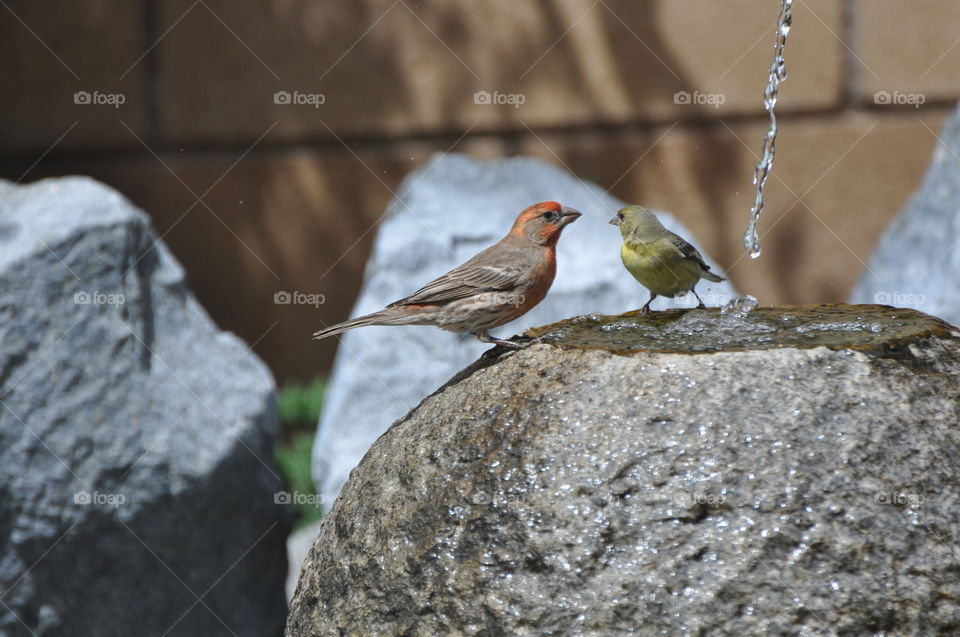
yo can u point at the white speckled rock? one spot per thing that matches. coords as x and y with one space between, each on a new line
917 262
445 213
136 439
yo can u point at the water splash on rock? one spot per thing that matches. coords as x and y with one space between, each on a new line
739 306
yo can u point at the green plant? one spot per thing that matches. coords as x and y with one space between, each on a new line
299 406
299 410
294 461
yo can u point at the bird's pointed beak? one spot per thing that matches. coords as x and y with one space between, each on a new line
568 216
615 221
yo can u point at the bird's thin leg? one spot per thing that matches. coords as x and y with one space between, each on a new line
646 308
701 306
485 337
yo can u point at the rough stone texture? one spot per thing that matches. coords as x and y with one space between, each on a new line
573 63
298 547
918 257
445 213
136 439
578 492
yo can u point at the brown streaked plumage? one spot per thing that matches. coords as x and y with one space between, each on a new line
495 287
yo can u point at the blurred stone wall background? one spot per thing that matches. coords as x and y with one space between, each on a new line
190 108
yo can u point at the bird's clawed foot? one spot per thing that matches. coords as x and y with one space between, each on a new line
646 307
701 305
502 345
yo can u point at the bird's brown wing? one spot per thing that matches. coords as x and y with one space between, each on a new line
688 250
489 271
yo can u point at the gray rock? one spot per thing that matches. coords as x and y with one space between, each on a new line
569 490
298 547
136 439
445 213
917 259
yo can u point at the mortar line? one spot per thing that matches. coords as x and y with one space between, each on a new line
511 139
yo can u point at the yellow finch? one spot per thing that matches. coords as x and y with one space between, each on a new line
661 261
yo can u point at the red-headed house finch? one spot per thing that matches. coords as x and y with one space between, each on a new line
498 285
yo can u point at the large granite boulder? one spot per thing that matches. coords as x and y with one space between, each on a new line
783 472
136 440
444 213
918 258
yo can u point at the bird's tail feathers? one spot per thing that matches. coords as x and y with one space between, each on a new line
386 316
376 318
710 276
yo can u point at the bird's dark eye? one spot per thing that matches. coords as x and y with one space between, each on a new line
550 216
620 216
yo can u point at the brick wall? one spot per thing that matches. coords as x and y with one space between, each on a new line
256 196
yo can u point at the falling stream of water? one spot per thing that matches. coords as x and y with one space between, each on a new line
778 73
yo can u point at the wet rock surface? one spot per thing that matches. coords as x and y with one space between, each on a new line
863 327
571 489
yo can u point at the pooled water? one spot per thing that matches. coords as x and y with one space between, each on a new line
742 326
778 73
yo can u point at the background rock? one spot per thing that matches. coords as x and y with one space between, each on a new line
298 547
918 257
136 440
781 491
443 215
